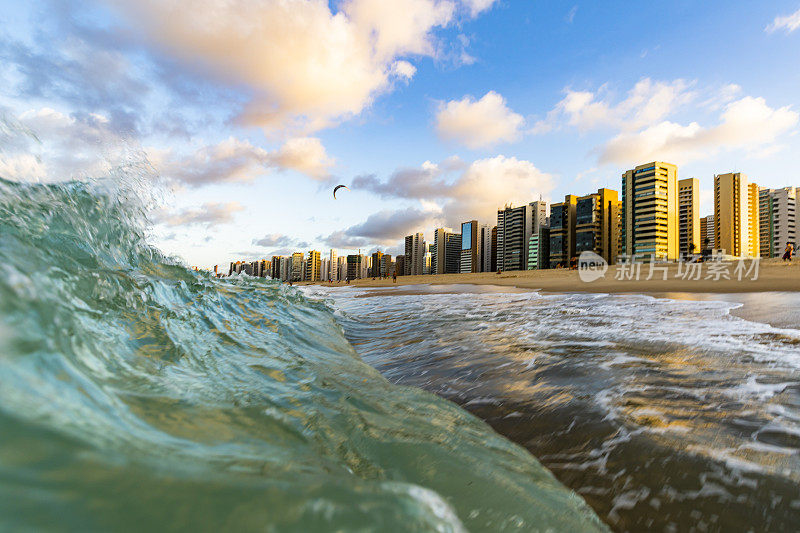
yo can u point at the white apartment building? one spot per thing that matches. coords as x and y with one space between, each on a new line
784 219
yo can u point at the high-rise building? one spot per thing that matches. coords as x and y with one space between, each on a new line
736 215
275 271
540 215
514 225
297 267
470 247
688 216
439 250
597 224
354 266
765 236
563 231
313 264
415 254
649 211
707 241
452 260
400 265
341 268
485 263
286 268
386 264
539 249
324 269
333 275
777 220
377 257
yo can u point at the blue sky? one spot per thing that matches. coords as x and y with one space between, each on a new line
434 111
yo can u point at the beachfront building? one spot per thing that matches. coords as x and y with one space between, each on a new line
296 268
597 224
540 215
452 259
333 273
777 220
415 254
470 247
688 216
736 214
355 262
438 250
513 235
386 265
562 231
649 211
707 233
324 269
539 249
313 265
375 269
486 247
286 268
275 271
400 265
264 268
765 237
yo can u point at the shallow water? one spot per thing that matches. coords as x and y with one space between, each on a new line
665 415
136 394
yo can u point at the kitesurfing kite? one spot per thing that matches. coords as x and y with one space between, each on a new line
337 188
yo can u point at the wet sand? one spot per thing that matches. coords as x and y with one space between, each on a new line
773 276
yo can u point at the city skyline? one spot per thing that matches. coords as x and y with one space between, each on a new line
656 216
461 108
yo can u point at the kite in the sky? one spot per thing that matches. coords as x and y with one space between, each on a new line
337 188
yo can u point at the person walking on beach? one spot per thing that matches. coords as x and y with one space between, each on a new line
394 277
787 254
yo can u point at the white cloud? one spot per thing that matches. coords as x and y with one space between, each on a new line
480 123
303 154
478 6
464 192
274 239
747 124
789 23
237 161
308 67
209 214
647 102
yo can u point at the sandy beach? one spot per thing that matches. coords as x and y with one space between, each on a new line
773 275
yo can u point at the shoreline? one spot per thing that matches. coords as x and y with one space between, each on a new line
773 276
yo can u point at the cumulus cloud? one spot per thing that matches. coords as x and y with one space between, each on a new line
306 66
478 123
235 160
209 214
746 124
479 6
303 154
274 239
448 193
464 192
788 23
646 102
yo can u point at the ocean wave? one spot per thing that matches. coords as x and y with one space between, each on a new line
138 394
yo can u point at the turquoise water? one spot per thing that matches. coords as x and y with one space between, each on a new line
137 394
